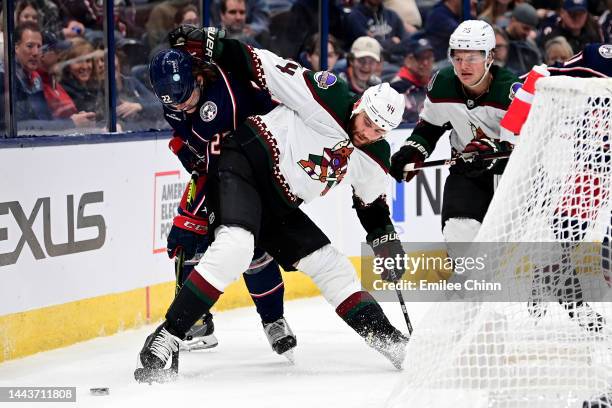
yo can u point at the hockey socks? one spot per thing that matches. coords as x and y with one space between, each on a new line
364 315
195 298
267 291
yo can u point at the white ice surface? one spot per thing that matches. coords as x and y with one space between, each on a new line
334 367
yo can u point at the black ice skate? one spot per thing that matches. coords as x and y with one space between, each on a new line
281 337
158 359
393 346
201 335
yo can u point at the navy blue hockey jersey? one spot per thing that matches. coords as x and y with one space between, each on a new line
224 104
594 61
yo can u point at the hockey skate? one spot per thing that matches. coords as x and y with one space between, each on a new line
393 347
158 359
201 335
281 338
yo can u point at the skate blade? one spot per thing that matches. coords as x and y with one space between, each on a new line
155 375
289 356
200 343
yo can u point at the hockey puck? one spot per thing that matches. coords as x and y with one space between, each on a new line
99 391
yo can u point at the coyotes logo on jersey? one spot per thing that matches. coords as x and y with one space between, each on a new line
329 168
477 132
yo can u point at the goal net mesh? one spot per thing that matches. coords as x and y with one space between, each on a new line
547 340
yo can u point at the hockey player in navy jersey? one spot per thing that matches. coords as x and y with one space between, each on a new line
202 104
320 136
594 61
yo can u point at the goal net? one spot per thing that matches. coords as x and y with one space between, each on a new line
546 341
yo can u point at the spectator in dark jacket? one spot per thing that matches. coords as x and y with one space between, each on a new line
575 24
412 78
370 18
523 53
440 24
137 107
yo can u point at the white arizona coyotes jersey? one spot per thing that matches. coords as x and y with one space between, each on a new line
306 136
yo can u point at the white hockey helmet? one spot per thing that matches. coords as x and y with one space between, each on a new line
472 35
383 105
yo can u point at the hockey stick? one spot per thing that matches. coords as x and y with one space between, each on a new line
404 310
453 160
179 263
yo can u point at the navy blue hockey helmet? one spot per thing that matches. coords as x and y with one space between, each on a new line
171 76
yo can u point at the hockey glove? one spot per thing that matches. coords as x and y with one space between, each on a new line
190 161
411 152
386 244
474 165
200 43
185 234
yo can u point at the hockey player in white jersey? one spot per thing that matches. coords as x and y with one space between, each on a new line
319 137
469 98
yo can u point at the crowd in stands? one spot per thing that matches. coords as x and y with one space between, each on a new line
60 57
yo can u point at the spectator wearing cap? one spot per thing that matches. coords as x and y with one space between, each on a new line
441 21
575 24
364 62
371 18
310 58
60 103
523 53
413 76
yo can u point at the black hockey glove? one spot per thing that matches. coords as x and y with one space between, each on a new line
190 161
474 165
200 43
411 152
386 244
186 233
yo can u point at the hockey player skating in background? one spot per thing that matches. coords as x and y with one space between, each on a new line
581 201
201 106
469 98
317 138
